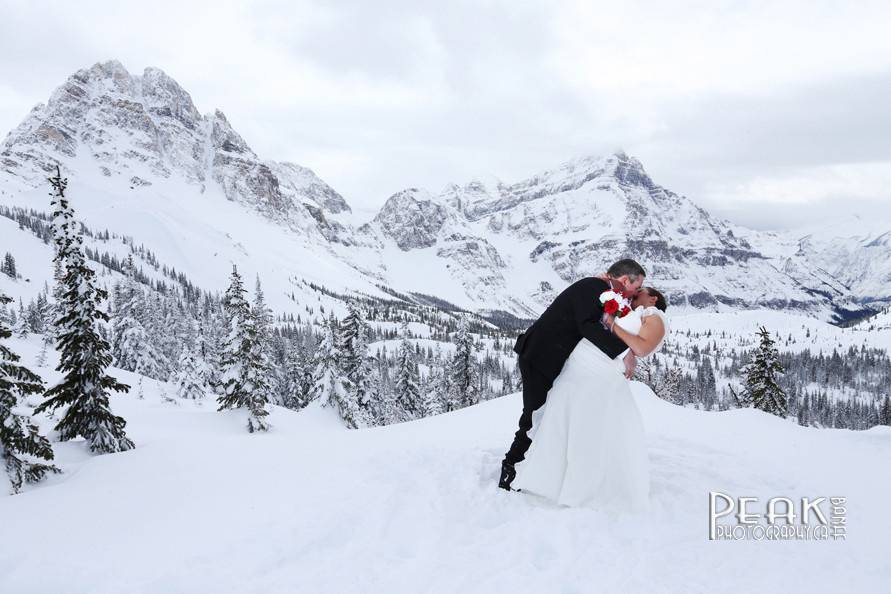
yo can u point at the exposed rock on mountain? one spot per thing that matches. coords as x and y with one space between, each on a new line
412 219
146 127
484 244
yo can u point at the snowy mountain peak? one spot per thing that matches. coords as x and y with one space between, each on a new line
139 130
225 138
575 219
140 143
412 218
111 74
618 166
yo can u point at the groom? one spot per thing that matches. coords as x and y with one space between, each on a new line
547 343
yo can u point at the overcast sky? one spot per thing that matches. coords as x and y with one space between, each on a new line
770 114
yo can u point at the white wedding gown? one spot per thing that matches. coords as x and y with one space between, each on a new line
588 443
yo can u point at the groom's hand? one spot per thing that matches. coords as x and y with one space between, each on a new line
630 364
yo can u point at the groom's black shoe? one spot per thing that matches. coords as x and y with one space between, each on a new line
507 475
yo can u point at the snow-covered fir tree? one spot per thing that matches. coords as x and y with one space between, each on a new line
43 355
21 446
464 381
162 333
191 377
645 372
244 373
352 392
261 316
279 351
706 385
211 341
433 393
761 388
407 393
85 354
132 347
8 266
325 363
21 327
42 315
58 287
885 414
669 388
803 415
300 380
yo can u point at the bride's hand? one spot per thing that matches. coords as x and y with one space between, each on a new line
630 364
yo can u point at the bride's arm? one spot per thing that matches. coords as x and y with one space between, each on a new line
651 332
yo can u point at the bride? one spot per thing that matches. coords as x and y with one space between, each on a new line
589 447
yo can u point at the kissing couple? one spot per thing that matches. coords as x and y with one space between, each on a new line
575 360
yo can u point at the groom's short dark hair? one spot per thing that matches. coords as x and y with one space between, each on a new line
626 266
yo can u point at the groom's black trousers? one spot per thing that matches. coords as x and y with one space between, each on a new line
535 392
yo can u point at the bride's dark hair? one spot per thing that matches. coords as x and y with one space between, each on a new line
661 303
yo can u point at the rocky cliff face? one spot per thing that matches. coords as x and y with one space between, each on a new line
573 220
851 255
483 244
145 128
412 219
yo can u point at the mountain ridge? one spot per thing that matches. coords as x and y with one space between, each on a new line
485 244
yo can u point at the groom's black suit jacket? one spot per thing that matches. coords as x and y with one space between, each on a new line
573 315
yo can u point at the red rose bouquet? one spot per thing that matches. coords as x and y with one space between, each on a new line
614 304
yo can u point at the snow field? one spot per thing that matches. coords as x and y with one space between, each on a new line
202 506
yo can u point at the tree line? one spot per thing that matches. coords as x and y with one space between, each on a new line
848 389
228 348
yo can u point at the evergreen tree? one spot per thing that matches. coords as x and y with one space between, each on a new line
434 393
162 337
41 318
85 354
279 352
20 442
262 315
761 386
645 372
44 350
407 393
58 290
885 416
804 412
325 363
670 386
191 379
352 393
464 373
300 378
261 318
8 266
21 327
132 347
705 383
244 372
211 340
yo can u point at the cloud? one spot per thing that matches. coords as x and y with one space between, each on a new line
735 105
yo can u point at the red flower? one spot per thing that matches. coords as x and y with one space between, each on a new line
611 306
625 311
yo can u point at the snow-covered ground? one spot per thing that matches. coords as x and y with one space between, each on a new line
202 506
